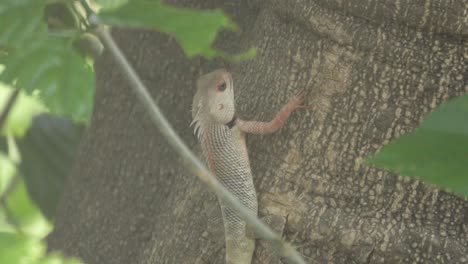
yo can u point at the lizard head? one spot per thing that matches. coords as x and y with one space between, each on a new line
213 102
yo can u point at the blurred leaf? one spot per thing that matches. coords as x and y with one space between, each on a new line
25 108
15 248
194 29
26 214
7 174
3 145
22 249
436 152
88 45
56 258
60 15
7 171
110 3
248 54
47 151
64 80
22 21
449 118
4 224
35 60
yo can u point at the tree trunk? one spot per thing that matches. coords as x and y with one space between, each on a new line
374 69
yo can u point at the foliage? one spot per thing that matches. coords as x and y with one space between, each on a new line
19 248
22 226
25 108
37 60
40 58
110 3
47 153
57 72
195 30
436 152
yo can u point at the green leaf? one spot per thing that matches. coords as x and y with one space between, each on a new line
47 151
5 226
25 214
21 21
449 118
16 248
20 116
436 152
248 54
110 3
195 30
56 258
19 249
63 78
7 171
37 61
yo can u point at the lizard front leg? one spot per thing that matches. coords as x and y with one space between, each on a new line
258 127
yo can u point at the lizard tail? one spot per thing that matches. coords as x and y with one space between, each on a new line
239 247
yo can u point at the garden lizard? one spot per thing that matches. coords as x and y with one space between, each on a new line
222 137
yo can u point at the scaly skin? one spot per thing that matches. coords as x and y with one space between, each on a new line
222 137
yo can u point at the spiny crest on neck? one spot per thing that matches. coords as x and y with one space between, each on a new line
197 121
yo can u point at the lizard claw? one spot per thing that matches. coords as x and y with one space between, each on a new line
298 99
301 93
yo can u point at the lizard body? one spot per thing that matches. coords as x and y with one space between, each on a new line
222 138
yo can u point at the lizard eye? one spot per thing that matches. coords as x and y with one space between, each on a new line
222 87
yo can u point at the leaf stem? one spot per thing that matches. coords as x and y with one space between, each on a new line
89 11
8 106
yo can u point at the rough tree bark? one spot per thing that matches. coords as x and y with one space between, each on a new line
374 69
